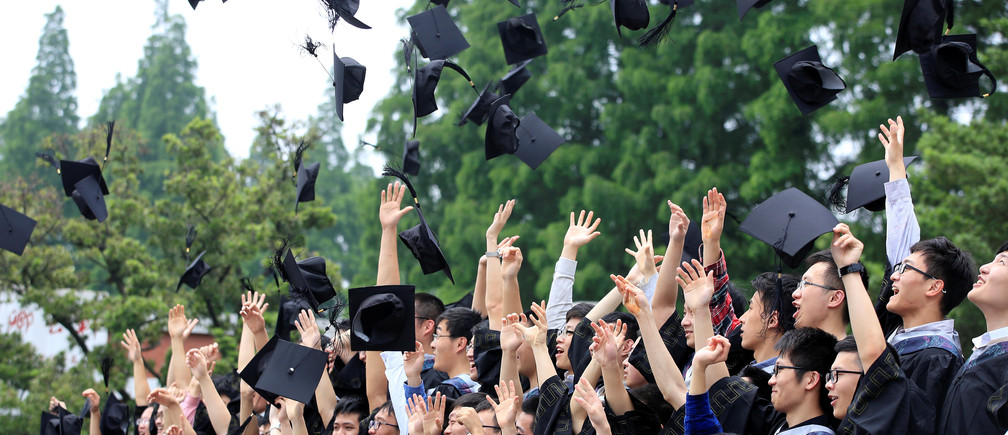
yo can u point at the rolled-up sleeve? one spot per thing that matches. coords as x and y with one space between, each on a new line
561 293
902 229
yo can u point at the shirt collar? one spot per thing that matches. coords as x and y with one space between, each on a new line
995 336
945 328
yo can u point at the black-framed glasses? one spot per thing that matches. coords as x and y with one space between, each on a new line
801 286
902 267
377 424
834 374
777 368
437 336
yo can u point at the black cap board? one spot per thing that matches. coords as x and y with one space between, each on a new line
436 34
810 83
521 38
632 14
194 273
63 422
743 6
420 239
501 132
348 81
347 9
536 140
89 199
866 186
790 222
480 109
920 26
308 279
72 172
427 78
515 78
293 371
306 175
15 230
381 318
411 157
951 68
256 366
115 417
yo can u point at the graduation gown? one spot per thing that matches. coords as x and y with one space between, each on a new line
932 369
553 414
737 408
965 410
887 402
674 338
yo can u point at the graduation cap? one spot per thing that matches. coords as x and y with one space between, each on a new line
289 310
420 239
115 417
501 133
381 318
306 176
865 187
426 82
436 34
345 9
632 14
920 26
951 68
15 230
348 81
657 34
63 422
515 78
256 366
521 38
480 109
411 157
193 3
790 222
83 181
810 84
307 278
194 273
465 302
743 6
293 371
536 140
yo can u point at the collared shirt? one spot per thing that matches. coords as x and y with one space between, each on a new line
944 328
766 366
995 336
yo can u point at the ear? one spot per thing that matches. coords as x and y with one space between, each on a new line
626 347
463 343
936 289
837 299
428 326
772 322
814 381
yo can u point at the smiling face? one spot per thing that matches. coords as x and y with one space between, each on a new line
909 287
687 324
990 292
787 386
841 391
563 344
446 348
812 302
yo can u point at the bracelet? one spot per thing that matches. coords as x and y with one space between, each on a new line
491 254
852 268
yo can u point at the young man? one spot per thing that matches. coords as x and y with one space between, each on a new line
769 317
819 300
347 416
451 339
427 308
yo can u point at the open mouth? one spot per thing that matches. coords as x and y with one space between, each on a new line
980 281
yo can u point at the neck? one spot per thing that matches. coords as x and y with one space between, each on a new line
921 317
835 325
807 410
996 320
765 350
460 366
427 348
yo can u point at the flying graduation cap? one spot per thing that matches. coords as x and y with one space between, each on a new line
381 317
865 187
345 9
743 6
194 273
790 222
436 34
411 157
480 109
420 239
951 69
521 38
424 84
15 230
502 129
657 34
536 140
348 81
810 84
306 176
920 26
307 278
515 78
83 180
632 14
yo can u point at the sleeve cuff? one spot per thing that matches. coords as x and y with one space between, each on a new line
566 267
897 191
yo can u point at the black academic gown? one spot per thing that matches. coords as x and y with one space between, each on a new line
674 338
932 370
553 414
737 408
886 402
965 410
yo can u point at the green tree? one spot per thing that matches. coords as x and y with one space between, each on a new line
48 107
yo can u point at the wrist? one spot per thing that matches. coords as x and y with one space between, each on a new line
855 267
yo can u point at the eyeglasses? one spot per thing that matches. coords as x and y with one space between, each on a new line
777 368
902 267
801 286
834 374
377 424
143 422
437 336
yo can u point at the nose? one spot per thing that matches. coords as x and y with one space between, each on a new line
894 277
985 268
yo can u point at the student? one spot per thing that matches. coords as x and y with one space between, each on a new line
769 317
819 299
348 415
451 339
428 307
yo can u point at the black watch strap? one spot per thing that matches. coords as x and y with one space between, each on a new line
853 268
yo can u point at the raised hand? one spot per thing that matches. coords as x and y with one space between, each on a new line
174 430
55 404
892 140
416 409
511 261
211 352
644 254
846 249
434 418
698 289
535 335
500 218
605 345
293 408
178 326
633 298
132 345
92 396
714 208
197 363
582 230
590 401
636 275
413 363
510 337
308 329
467 417
252 312
389 213
166 397
678 223
716 351
510 403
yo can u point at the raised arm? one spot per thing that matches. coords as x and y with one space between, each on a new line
714 207
325 395
179 329
645 258
389 215
246 350
697 292
605 349
216 409
589 400
94 427
494 284
252 311
612 300
479 290
536 337
902 229
140 386
666 288
510 341
510 404
871 342
579 233
511 261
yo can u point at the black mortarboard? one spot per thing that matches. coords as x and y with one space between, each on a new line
501 133
339 73
411 157
951 68
865 186
293 371
692 242
73 172
194 273
63 422
83 181
465 302
289 310
381 318
790 222
308 279
657 34
15 230
436 34
420 239
480 109
515 78
345 9
306 175
632 14
920 26
743 6
253 371
193 3
536 140
810 84
521 38
115 417
348 81
426 82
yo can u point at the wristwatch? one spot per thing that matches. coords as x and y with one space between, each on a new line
853 268
491 254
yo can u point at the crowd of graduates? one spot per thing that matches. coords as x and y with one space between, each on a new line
810 355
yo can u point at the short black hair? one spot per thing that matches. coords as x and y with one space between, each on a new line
811 349
579 311
459 321
477 401
351 405
759 378
952 265
848 345
632 329
765 284
428 306
1002 248
651 396
738 300
530 405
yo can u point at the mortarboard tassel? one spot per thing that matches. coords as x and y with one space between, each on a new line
189 239
301 148
106 368
246 283
311 46
389 171
278 257
108 142
657 34
47 156
834 195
